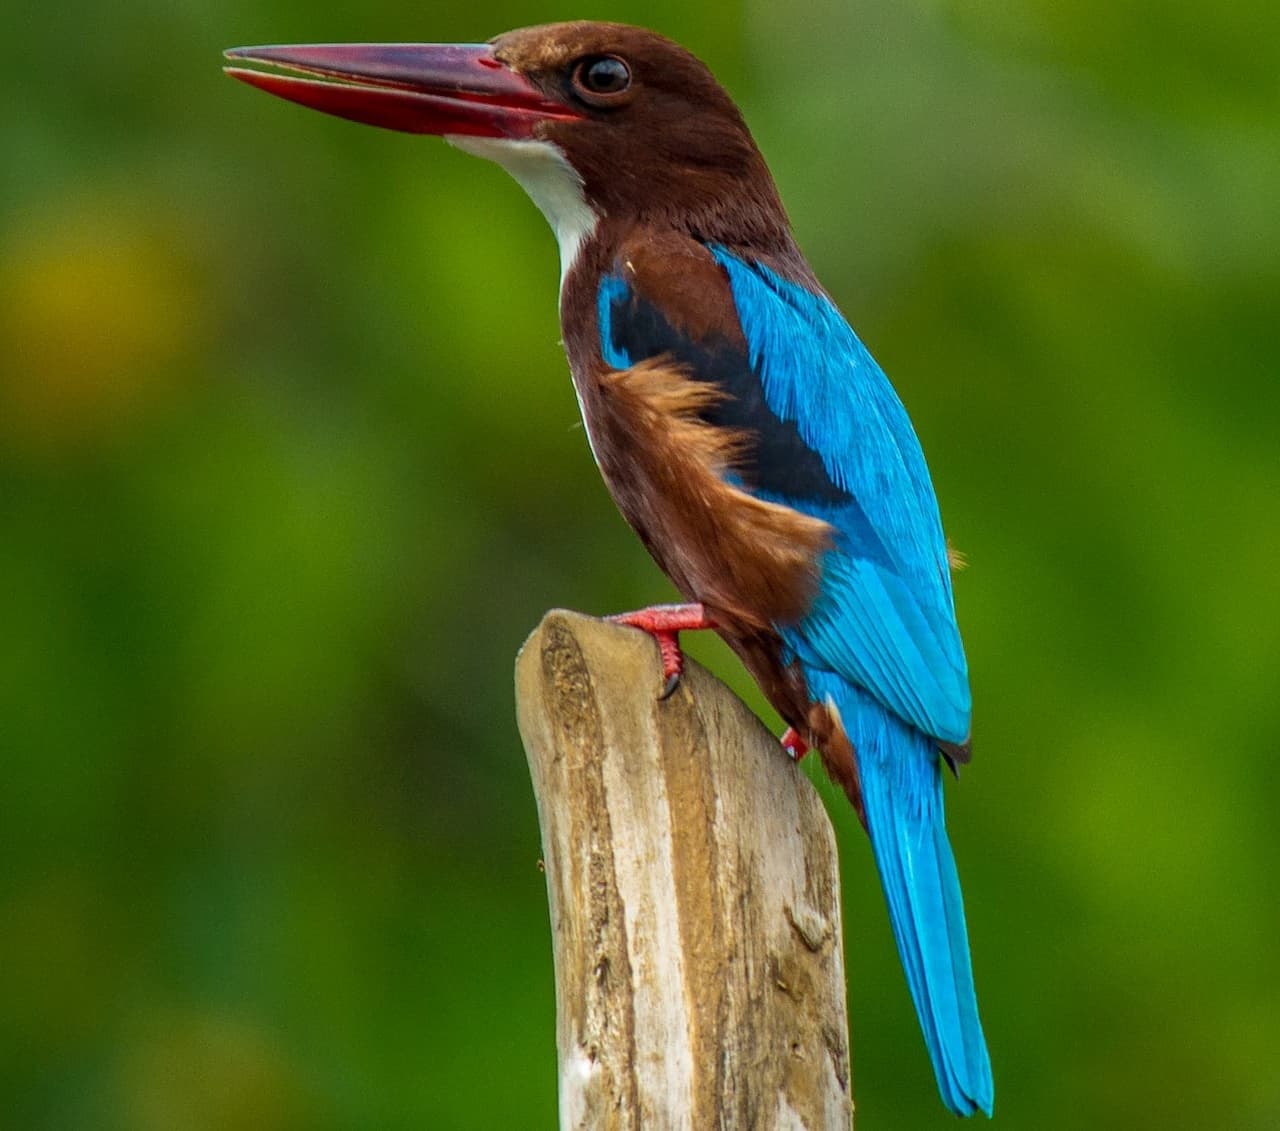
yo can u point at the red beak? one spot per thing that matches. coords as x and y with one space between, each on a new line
420 88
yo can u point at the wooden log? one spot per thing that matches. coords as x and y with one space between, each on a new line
694 892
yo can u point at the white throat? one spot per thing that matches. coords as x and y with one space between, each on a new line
544 172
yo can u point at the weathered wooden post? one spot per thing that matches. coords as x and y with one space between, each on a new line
694 893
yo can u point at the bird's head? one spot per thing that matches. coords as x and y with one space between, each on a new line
594 119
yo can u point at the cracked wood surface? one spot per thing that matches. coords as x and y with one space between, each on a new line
694 892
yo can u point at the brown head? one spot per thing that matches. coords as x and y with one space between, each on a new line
594 119
659 138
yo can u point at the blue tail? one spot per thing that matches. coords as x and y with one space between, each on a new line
902 792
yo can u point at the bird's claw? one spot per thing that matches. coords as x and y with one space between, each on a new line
665 623
794 745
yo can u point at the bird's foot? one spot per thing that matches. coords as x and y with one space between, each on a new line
665 623
794 745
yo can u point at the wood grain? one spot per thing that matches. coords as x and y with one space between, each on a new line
694 894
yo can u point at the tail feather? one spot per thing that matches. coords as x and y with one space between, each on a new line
902 791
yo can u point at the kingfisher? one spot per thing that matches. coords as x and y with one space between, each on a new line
742 428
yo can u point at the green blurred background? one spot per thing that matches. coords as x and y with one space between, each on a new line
290 465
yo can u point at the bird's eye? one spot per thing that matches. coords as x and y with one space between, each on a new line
601 78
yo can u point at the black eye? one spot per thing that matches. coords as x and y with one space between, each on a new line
602 76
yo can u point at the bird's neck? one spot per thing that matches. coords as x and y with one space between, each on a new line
743 214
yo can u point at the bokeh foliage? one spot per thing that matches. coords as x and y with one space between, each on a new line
289 467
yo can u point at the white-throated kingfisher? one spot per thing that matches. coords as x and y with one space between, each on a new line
744 431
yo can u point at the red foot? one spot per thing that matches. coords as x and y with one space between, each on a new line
794 745
665 623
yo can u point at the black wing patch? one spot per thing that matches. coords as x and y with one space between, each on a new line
778 462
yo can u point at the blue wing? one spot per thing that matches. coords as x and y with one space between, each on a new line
833 441
885 616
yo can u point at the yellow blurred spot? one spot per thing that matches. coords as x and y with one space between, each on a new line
209 1072
58 960
98 308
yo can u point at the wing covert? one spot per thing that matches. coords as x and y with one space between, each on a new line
827 437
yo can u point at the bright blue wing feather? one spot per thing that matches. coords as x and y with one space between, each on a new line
884 617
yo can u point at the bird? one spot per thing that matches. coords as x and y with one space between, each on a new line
743 429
